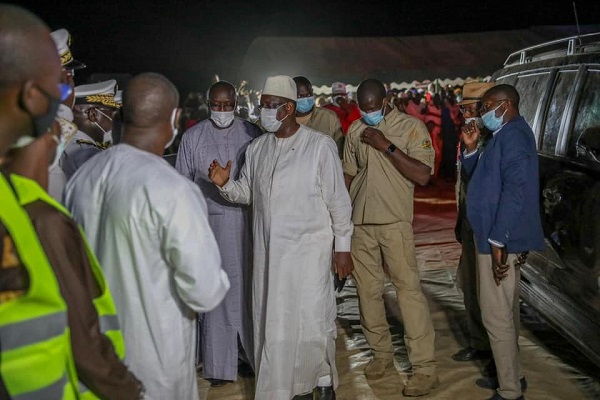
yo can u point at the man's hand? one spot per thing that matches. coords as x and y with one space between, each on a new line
219 175
375 138
522 259
470 136
344 104
499 266
343 264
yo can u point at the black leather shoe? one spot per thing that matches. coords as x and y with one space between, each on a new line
325 393
498 397
470 354
489 371
245 370
217 382
308 396
492 383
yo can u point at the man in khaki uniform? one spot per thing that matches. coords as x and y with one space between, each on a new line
385 154
319 119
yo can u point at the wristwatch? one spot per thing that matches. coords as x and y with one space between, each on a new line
391 148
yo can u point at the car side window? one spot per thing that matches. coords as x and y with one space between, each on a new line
556 110
530 88
585 139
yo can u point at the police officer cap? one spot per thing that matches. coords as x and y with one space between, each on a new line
62 39
97 93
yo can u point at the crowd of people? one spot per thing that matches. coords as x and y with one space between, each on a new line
436 106
116 266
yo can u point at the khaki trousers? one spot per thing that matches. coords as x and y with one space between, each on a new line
395 242
501 318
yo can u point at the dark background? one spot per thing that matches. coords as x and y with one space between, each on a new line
191 41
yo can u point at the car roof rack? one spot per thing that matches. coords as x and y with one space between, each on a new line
556 48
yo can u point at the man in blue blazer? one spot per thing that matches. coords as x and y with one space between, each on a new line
503 210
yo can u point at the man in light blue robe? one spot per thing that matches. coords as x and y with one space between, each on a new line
223 137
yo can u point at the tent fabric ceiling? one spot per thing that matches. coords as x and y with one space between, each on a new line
402 60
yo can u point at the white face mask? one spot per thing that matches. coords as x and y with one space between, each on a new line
477 120
268 118
61 144
222 118
175 130
107 133
65 112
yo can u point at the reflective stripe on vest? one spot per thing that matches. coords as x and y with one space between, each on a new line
30 191
31 331
36 361
51 392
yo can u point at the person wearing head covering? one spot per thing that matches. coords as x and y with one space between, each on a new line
223 137
57 178
347 111
148 225
478 347
293 178
94 110
503 208
318 118
385 154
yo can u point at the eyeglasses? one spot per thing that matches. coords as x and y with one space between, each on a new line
470 109
487 106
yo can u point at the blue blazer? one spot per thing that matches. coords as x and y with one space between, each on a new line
503 199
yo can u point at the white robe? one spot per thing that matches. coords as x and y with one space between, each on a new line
300 203
148 226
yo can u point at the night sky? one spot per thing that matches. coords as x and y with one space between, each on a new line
190 41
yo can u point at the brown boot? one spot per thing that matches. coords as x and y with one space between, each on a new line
420 385
376 368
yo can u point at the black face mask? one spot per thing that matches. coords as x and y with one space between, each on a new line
42 123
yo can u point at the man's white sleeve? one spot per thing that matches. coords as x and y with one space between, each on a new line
191 250
335 195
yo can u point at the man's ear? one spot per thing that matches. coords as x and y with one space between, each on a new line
178 118
92 114
31 100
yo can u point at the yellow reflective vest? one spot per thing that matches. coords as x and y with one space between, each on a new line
36 359
30 191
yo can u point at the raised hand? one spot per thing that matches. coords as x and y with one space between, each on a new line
470 135
219 175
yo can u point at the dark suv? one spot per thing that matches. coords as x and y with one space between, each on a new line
559 85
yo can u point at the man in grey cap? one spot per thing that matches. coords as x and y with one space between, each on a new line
293 178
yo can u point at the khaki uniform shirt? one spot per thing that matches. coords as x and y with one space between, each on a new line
326 121
380 193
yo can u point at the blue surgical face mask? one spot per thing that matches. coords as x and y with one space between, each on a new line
490 120
305 104
373 118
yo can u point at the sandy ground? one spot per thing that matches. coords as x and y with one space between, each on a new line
554 369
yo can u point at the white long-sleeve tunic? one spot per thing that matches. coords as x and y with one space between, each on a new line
148 226
300 204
